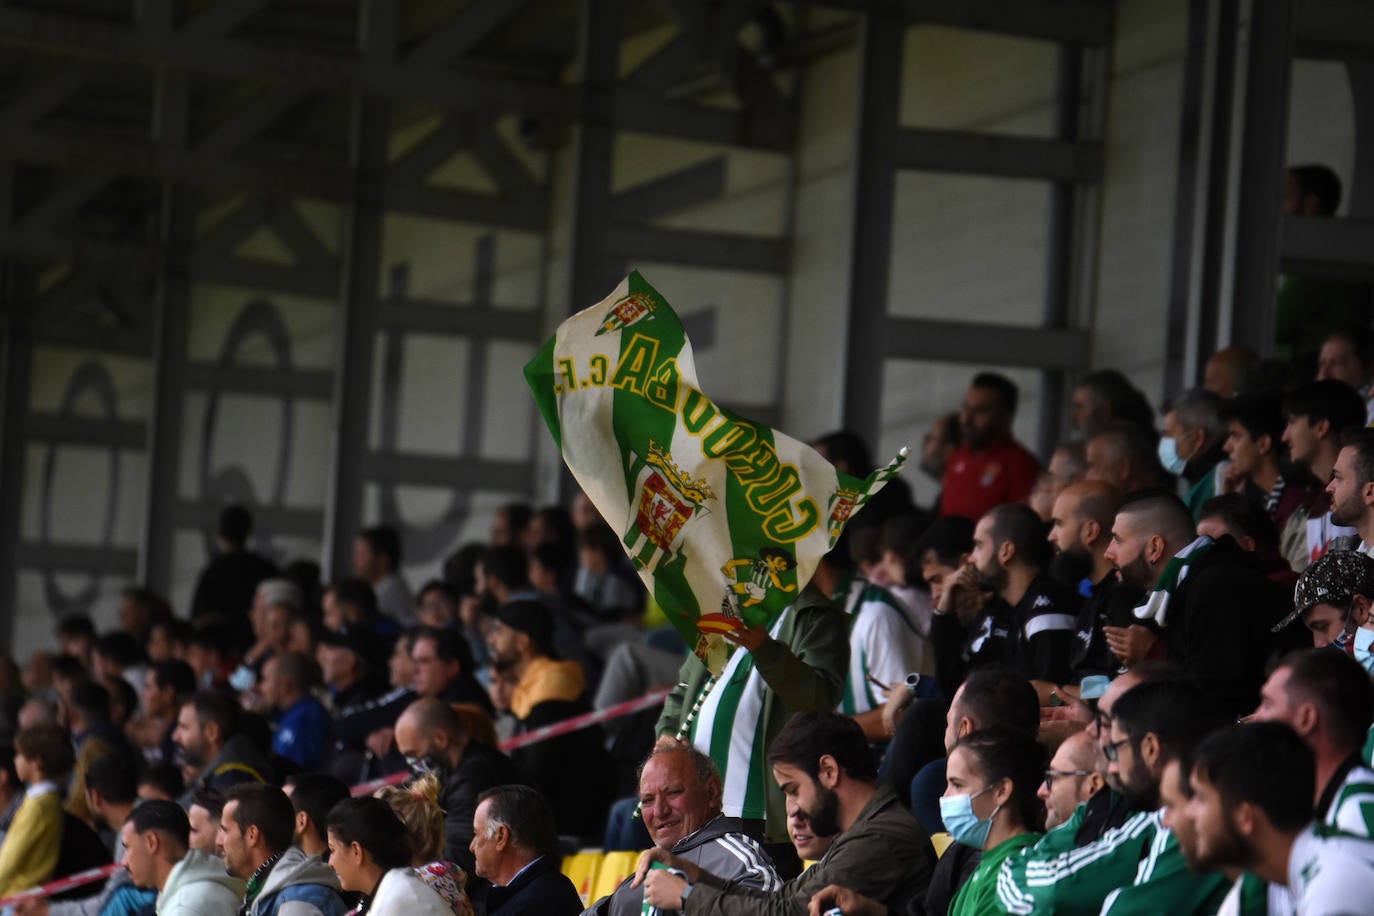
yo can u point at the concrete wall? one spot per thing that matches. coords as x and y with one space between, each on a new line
965 247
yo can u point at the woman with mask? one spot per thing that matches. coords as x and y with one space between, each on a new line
990 804
370 851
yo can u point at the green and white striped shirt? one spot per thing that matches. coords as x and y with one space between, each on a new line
727 730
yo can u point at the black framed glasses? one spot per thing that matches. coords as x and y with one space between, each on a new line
1109 750
1052 775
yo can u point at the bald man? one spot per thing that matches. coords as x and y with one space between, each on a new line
1080 532
1071 780
432 739
1124 455
1211 600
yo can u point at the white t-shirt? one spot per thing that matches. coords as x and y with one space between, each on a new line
1331 875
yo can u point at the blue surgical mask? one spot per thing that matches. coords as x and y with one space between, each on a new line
956 811
1168 456
1364 643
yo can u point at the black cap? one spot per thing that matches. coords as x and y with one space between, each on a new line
532 618
1333 578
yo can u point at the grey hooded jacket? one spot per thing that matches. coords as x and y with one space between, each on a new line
299 885
719 847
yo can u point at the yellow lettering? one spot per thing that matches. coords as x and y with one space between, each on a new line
697 411
728 437
765 501
785 527
662 391
636 365
599 365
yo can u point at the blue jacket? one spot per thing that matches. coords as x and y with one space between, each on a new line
304 732
299 885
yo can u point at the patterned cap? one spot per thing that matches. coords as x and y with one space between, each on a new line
1334 578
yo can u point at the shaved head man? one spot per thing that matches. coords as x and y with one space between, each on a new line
432 738
1210 601
1080 532
1071 780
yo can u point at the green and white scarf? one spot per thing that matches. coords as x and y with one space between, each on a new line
1156 604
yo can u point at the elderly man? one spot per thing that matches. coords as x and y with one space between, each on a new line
822 763
679 791
515 847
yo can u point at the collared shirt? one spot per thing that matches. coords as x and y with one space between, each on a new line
43 787
524 869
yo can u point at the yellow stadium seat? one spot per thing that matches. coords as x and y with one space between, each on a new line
580 868
615 867
941 842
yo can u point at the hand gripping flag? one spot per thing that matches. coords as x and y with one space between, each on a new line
724 519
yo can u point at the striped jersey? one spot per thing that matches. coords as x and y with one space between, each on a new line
739 753
1163 884
883 644
1050 878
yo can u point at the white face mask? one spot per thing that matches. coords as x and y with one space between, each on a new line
1169 457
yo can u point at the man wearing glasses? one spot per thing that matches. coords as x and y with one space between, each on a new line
1071 780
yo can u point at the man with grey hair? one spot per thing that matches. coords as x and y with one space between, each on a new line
680 799
1191 445
515 847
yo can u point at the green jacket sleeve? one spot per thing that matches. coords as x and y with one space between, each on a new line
1165 885
811 676
1075 882
678 698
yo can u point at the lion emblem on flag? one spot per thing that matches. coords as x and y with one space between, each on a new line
668 498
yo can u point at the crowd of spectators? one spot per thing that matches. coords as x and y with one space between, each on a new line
1135 677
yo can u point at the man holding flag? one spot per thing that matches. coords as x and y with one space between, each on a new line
797 665
725 521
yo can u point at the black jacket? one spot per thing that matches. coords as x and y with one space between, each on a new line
1043 630
1219 622
481 767
540 890
225 591
1110 604
573 771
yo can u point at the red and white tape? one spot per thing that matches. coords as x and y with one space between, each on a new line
558 729
61 885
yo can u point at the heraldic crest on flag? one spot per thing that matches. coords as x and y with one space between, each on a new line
724 519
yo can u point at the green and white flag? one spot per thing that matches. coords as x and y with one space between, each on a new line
724 519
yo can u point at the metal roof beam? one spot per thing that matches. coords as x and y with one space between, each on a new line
80 37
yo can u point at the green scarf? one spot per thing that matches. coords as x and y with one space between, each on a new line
256 881
1155 606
